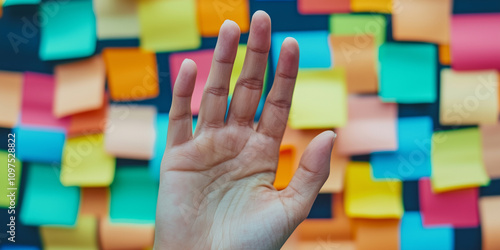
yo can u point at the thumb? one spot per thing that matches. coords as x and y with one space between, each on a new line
313 170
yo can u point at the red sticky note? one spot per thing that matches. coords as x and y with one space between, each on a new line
323 6
38 96
203 60
458 208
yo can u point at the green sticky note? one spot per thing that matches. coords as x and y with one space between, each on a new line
46 201
20 2
11 179
133 196
360 25
168 25
319 100
457 160
70 31
408 73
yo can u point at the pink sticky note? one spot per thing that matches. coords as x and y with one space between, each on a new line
371 127
323 6
458 208
475 41
203 60
38 96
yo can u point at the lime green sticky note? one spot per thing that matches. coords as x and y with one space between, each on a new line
70 31
238 67
46 201
133 196
351 24
319 100
457 160
85 163
11 177
168 25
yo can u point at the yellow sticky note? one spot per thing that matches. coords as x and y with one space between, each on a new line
12 178
116 19
366 198
85 163
457 160
238 66
168 25
319 100
83 236
383 6
468 98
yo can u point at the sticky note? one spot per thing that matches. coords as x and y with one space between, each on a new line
371 127
359 62
367 198
94 201
116 19
70 33
130 183
490 135
212 13
37 102
203 60
316 7
238 67
319 100
286 169
445 54
29 141
43 185
12 178
90 122
457 207
457 160
414 235
10 98
361 26
86 163
383 233
313 47
138 236
434 28
490 221
79 86
120 142
408 72
474 41
160 145
82 236
383 6
19 2
168 25
412 159
458 106
132 74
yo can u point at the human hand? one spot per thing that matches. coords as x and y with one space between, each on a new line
216 186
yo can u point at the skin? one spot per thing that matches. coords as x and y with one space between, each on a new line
216 186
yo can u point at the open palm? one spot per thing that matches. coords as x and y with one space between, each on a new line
216 187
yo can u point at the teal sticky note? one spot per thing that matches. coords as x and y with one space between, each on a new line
413 235
39 144
408 73
46 201
133 196
20 2
70 32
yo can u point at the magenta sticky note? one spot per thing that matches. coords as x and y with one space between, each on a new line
475 41
203 60
38 96
458 208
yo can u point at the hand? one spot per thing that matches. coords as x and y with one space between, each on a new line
216 186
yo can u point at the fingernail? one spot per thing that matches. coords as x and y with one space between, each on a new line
334 137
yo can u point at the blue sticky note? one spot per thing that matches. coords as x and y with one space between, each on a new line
313 47
413 235
46 201
133 196
408 72
19 2
19 248
322 207
412 160
70 31
38 144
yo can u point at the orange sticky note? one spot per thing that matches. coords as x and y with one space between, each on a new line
323 6
490 221
408 24
125 236
286 167
212 13
79 86
383 233
445 54
132 74
94 201
10 97
358 60
383 6
90 122
490 135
